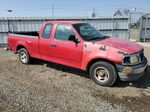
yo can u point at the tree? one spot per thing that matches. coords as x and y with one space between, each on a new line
126 12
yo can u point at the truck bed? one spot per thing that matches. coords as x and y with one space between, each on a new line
27 39
26 34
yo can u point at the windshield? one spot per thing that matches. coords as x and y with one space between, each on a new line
88 32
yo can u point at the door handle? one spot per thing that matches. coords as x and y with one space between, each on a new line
53 45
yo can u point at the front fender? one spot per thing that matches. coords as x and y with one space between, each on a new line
110 54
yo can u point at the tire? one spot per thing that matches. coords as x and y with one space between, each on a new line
103 73
24 56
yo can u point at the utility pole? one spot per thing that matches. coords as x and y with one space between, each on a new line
52 10
93 13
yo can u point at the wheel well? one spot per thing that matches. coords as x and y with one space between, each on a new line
19 47
98 59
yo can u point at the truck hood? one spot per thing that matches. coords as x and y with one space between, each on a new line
125 46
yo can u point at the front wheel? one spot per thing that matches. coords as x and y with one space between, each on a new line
103 73
24 56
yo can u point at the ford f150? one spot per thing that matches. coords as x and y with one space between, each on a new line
80 45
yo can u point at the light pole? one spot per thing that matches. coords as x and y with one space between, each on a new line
8 11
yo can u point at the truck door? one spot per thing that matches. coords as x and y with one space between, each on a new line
64 51
44 42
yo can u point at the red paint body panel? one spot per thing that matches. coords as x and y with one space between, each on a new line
76 55
126 46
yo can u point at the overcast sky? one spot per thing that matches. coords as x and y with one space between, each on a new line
43 8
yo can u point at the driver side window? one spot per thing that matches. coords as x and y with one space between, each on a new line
63 32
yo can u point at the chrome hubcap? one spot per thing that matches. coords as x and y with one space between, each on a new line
101 74
23 57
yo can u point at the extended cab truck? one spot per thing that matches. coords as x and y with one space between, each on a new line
79 45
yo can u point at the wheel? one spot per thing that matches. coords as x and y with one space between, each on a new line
24 56
103 73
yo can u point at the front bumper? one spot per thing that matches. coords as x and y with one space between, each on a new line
137 71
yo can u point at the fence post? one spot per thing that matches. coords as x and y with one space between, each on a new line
141 28
8 25
129 26
145 30
113 26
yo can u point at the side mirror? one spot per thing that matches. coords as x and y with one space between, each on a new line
74 39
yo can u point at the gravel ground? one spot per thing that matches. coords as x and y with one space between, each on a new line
48 87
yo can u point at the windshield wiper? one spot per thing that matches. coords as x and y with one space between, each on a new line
106 37
95 38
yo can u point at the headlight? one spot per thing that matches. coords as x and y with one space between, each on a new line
131 60
134 59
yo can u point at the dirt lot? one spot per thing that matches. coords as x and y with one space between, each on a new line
44 86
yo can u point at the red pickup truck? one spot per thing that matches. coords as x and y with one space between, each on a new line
80 45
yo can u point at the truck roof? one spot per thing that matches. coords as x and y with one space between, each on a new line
64 22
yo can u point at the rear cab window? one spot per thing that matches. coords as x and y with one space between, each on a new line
47 31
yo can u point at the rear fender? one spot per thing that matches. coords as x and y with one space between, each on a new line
20 45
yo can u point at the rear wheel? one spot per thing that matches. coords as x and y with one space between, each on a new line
103 73
24 56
